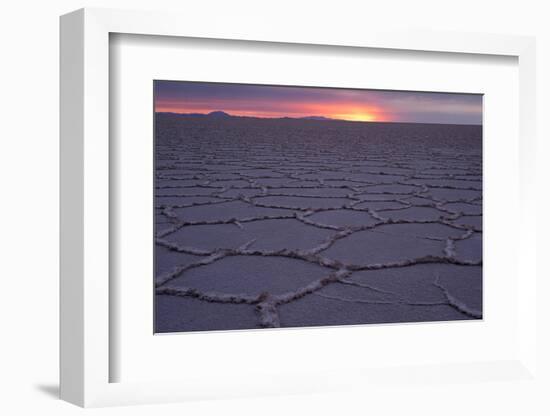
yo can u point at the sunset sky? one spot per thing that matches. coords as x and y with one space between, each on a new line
344 104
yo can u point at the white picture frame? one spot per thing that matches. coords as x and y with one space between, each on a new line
85 210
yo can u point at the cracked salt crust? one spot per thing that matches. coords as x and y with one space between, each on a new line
274 223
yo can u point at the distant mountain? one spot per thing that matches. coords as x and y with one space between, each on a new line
218 114
223 114
319 118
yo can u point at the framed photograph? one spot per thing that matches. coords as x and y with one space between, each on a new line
287 206
277 212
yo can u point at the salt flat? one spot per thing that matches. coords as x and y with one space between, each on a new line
284 223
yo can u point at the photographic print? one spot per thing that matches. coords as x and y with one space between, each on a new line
291 206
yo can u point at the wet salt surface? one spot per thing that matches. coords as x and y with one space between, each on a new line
281 223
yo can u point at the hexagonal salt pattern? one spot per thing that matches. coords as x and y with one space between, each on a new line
282 223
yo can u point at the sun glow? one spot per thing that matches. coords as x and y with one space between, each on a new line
356 117
350 111
353 113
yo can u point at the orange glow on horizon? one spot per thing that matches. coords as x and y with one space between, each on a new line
349 111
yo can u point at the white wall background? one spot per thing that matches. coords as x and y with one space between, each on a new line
29 207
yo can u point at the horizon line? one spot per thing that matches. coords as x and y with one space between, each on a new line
312 118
